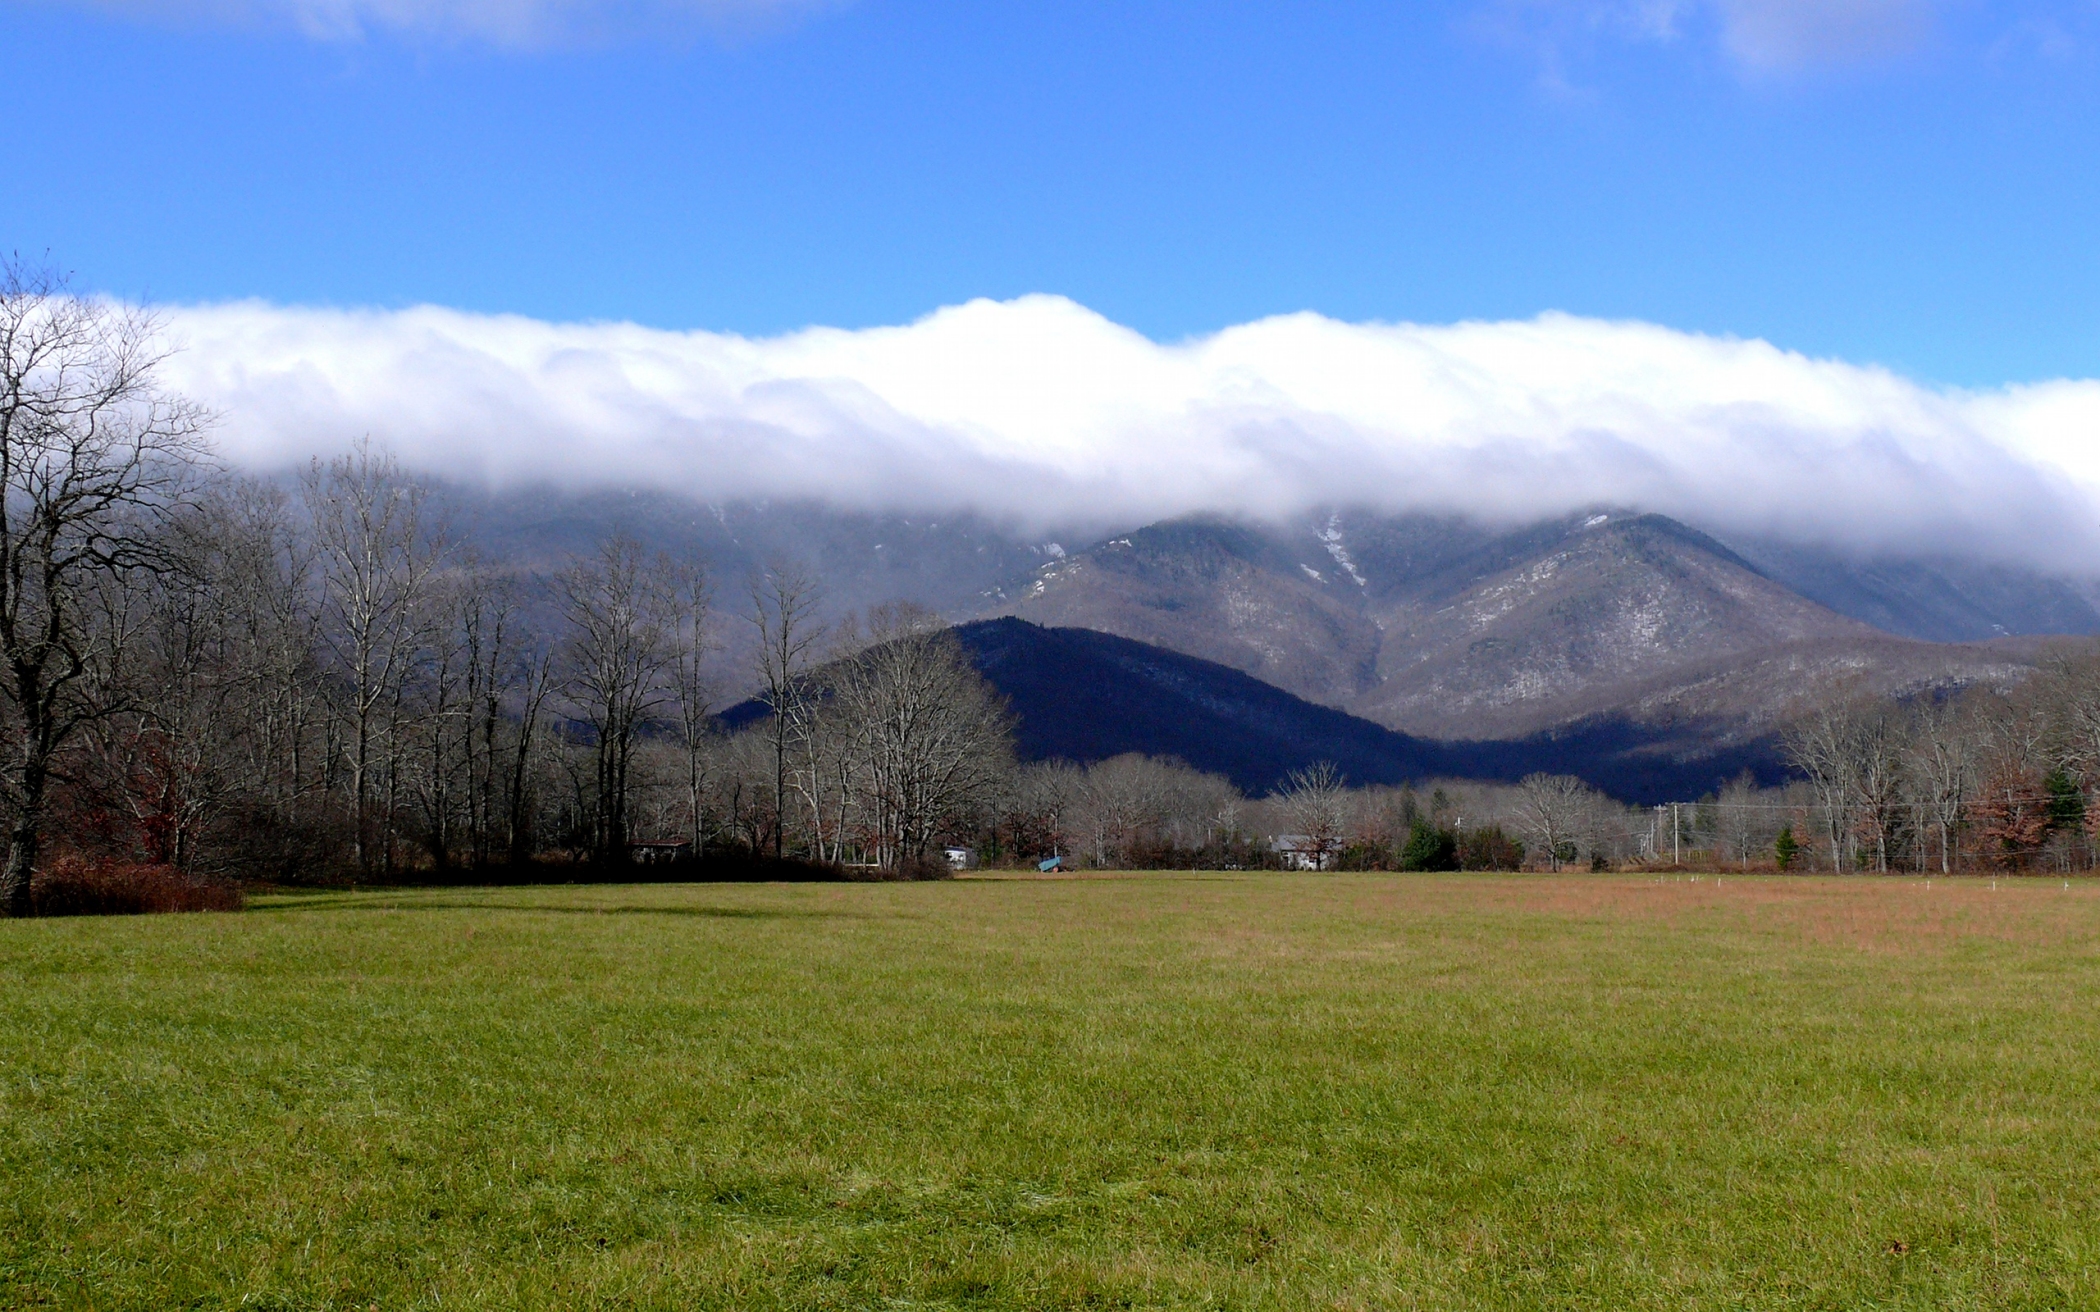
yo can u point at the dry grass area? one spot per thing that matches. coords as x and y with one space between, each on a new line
1898 914
1175 1090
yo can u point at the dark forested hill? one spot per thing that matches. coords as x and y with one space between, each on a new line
1082 696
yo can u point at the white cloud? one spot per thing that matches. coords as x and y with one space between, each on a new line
1779 37
509 24
1039 411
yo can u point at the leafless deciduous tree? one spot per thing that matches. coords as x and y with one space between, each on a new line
489 626
1941 769
1741 821
622 617
1316 804
535 678
93 456
784 611
1824 745
1878 778
378 560
202 728
1117 801
460 716
922 736
692 689
1553 808
1036 818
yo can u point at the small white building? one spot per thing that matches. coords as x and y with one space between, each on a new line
960 858
1303 852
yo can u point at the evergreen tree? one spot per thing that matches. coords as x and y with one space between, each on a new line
1429 848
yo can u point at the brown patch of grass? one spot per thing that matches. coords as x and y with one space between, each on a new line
1898 914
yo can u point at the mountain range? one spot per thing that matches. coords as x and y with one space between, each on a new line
1445 629
1647 655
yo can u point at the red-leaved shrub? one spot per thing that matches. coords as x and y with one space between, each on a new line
78 886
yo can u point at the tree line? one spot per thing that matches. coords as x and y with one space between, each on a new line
1980 778
314 679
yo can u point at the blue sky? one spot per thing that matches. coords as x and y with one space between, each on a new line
1895 181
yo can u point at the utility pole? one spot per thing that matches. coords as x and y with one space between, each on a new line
1676 838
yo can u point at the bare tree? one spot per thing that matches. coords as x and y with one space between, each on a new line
93 455
1118 801
377 562
622 644
264 584
1739 822
1941 772
218 744
1040 800
1877 779
923 734
163 750
535 678
692 689
1551 813
442 722
490 624
204 731
1315 800
783 610
1202 809
1824 746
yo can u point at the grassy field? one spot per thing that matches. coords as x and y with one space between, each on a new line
1261 1091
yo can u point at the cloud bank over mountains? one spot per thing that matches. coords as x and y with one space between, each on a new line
1043 414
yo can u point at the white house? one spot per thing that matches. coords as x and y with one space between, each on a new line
1303 852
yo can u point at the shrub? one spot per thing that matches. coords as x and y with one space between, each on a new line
1489 849
924 865
1429 848
721 865
1364 856
78 886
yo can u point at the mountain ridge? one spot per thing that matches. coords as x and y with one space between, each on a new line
1634 632
1082 696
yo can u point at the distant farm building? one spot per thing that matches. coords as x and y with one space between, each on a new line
1302 852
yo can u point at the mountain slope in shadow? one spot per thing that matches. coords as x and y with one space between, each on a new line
1082 695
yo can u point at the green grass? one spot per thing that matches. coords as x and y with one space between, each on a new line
1263 1091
